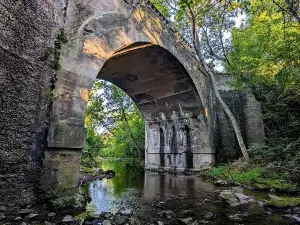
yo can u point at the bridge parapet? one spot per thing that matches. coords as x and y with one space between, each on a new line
169 24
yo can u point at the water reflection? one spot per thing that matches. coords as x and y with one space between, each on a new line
164 186
132 188
131 184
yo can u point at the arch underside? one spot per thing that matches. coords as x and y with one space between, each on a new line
167 98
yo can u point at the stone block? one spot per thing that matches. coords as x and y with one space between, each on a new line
66 135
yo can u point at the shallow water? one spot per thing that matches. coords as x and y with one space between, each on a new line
187 196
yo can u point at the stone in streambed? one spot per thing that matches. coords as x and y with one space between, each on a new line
24 211
235 217
68 219
2 216
51 214
48 223
208 215
293 218
119 220
32 215
18 218
166 213
186 220
126 212
106 222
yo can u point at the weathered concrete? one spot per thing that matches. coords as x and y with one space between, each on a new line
131 45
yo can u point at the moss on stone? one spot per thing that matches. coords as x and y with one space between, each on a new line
284 202
256 177
279 185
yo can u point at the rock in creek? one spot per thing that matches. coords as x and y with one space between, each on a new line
166 213
106 222
32 215
52 214
294 218
208 216
120 219
68 219
235 198
24 211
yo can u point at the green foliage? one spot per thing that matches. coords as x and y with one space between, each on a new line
264 52
117 118
90 209
121 144
244 177
162 6
129 172
93 146
258 177
55 51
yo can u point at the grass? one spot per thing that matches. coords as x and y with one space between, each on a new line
284 202
258 177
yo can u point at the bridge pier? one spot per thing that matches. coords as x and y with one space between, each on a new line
61 165
178 144
60 176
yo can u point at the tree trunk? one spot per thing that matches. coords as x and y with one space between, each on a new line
232 119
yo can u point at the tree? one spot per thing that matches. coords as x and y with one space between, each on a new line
265 57
93 146
191 16
265 51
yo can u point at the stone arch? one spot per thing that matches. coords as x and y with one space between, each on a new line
102 34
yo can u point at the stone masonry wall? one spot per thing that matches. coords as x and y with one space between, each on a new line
247 112
28 28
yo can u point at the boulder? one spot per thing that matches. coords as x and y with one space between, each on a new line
235 198
68 219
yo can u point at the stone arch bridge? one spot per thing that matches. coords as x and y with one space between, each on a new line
126 43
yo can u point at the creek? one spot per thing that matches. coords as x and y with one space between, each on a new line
149 194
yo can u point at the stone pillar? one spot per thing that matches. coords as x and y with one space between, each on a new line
62 163
66 139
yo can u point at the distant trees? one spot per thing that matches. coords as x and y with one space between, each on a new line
115 125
